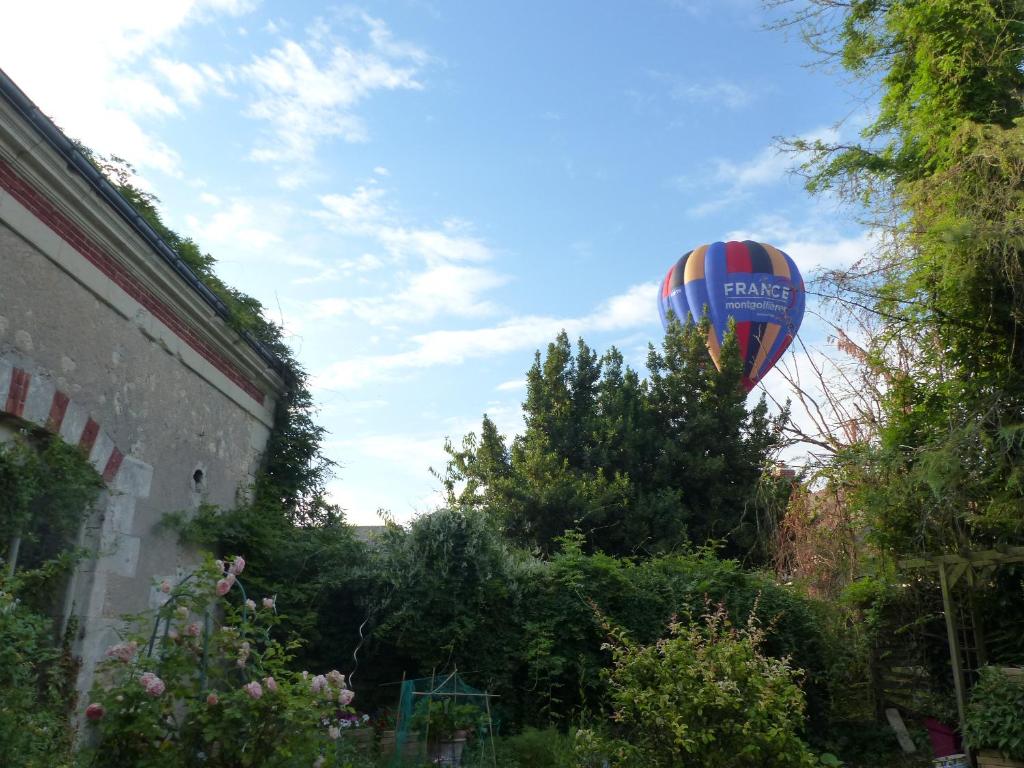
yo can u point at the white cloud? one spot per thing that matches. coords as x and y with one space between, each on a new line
448 289
188 81
357 210
813 244
307 92
512 386
454 347
108 89
345 268
437 271
433 245
719 92
767 167
238 225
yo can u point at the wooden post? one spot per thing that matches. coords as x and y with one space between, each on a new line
954 647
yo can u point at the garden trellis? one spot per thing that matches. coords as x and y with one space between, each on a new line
451 687
975 569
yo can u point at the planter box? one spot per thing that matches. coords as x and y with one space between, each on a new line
386 742
362 738
988 758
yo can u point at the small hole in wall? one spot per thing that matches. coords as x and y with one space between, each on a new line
198 480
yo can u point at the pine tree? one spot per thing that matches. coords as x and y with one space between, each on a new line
636 467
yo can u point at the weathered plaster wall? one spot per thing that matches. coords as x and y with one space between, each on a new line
156 409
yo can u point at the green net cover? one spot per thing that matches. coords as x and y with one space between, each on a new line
448 700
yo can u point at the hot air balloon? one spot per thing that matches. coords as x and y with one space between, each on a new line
755 284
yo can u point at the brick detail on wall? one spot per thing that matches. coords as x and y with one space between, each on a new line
16 381
73 235
17 393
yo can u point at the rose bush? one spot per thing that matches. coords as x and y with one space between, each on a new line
205 683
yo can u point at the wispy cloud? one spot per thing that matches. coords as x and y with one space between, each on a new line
813 243
189 82
434 271
239 224
716 92
627 310
120 75
307 91
739 178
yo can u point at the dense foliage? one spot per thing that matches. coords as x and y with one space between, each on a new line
706 695
637 466
36 675
455 594
46 490
204 682
994 717
940 169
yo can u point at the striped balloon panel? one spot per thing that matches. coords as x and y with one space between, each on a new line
755 285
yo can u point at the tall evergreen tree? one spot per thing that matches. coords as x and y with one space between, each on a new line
637 467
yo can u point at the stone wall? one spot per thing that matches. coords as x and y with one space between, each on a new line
103 344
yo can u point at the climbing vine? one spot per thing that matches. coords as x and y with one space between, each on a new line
46 489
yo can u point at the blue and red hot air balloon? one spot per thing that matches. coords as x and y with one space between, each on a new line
755 284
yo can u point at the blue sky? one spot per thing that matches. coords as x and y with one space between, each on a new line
425 192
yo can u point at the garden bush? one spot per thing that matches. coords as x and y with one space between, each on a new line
36 677
206 684
995 716
704 695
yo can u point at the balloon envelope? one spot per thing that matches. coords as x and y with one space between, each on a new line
755 284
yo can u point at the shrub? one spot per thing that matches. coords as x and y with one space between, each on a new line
36 679
535 748
995 716
704 695
187 692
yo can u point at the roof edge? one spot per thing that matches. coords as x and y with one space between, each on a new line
77 161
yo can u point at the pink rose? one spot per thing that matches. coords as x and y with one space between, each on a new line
165 587
268 602
220 565
122 651
345 697
212 700
154 685
253 689
193 630
95 712
271 684
237 565
250 604
319 683
336 678
334 733
223 587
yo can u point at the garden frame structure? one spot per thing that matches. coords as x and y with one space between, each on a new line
444 686
977 568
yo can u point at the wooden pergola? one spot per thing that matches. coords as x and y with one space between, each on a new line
977 569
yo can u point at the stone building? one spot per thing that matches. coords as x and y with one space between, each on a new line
110 342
